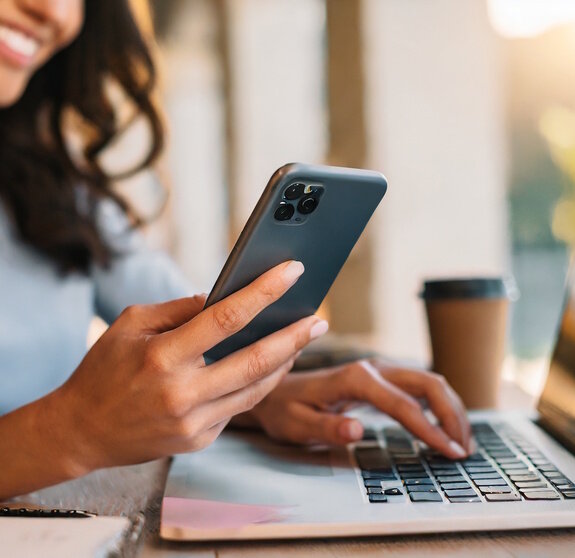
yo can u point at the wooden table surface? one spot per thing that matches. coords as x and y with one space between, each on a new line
137 491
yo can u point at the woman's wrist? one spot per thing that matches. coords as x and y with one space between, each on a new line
57 421
36 442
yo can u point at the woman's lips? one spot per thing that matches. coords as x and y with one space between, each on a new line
17 47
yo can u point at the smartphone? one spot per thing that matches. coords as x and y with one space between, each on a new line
311 213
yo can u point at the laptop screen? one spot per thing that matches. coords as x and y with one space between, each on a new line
557 402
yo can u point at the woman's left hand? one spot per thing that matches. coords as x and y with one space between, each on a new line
307 407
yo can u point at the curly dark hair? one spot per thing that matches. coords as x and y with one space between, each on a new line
39 179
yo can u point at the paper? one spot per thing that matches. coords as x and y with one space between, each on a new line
209 514
24 537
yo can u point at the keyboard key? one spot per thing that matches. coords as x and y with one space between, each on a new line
495 489
425 497
464 500
371 459
454 478
517 471
446 472
497 455
421 488
372 483
393 492
460 493
490 482
480 476
569 494
414 475
377 498
539 495
523 478
472 470
562 487
560 481
553 474
502 497
454 485
374 490
514 467
532 484
410 468
418 482
377 475
548 467
369 434
441 463
444 467
474 457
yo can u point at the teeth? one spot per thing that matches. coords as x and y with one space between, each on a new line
18 42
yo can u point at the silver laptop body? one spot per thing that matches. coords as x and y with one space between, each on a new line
245 486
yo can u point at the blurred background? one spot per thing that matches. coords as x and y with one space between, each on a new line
468 108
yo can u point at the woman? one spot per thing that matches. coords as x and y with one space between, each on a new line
69 248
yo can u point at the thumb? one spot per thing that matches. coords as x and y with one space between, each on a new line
325 427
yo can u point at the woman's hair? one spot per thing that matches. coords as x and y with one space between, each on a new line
51 194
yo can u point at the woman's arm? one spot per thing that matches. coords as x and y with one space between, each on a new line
309 406
143 391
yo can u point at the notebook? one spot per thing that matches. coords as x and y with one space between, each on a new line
245 486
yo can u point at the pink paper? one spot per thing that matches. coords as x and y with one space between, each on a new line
209 514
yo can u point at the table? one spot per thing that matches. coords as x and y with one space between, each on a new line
136 491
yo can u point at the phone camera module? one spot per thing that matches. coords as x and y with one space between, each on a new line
294 191
284 212
307 204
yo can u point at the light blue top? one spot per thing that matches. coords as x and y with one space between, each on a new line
44 316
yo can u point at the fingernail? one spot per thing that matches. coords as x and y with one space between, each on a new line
318 329
352 430
472 446
292 271
457 449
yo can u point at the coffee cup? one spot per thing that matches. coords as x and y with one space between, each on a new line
467 319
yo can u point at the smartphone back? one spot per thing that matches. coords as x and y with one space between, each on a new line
310 213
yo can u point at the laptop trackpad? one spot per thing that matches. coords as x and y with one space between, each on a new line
251 468
293 460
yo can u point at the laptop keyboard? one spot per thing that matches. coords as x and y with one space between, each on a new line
505 468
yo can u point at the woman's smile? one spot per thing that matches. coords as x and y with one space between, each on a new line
17 47
31 32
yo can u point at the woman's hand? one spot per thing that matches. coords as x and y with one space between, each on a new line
143 391
307 407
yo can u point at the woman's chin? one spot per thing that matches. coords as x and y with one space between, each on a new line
11 93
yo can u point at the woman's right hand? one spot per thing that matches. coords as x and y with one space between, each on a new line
143 391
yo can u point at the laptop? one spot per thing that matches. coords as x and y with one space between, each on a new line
246 486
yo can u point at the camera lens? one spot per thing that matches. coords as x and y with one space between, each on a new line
294 191
284 212
307 205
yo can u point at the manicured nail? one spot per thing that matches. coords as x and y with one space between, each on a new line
292 271
352 430
457 449
318 329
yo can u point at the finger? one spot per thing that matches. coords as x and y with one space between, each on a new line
201 441
309 425
256 361
228 316
240 401
443 401
162 317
